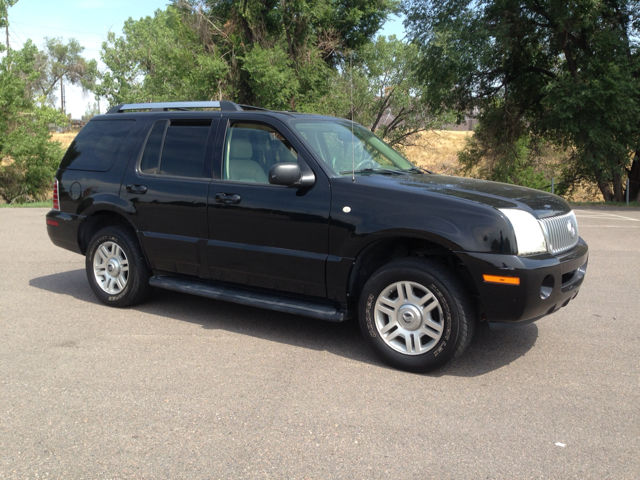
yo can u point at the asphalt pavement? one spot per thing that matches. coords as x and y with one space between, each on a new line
187 387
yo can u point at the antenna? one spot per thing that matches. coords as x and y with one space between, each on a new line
353 143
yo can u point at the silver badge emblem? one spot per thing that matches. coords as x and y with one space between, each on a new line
572 229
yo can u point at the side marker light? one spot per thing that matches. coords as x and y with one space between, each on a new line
503 280
53 223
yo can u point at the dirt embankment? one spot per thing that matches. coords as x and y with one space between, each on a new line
65 139
437 150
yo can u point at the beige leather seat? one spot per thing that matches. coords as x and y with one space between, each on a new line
241 168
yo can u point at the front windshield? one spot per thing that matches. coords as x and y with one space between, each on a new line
344 153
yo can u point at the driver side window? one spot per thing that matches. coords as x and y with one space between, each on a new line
251 149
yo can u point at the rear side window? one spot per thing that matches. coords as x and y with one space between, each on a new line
97 145
176 148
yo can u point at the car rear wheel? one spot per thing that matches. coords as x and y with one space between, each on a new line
116 268
416 314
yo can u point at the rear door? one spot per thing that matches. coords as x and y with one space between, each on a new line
166 191
260 234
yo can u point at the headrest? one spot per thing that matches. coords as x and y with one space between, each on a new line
240 148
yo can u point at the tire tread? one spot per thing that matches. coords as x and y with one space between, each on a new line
463 304
140 288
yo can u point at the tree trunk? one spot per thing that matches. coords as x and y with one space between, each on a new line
604 185
62 95
634 178
618 193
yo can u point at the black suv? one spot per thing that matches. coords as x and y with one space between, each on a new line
308 215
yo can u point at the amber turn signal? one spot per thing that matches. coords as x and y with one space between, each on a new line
498 279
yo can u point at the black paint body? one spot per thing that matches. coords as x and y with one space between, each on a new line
303 241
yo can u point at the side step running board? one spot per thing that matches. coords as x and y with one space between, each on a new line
269 301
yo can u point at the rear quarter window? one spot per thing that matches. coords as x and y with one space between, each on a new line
97 145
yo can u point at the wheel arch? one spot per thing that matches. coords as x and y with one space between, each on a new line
389 248
98 220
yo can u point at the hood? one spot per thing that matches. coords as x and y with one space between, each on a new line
495 194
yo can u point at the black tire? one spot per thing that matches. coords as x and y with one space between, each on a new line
453 316
134 286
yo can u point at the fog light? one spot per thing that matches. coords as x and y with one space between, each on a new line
546 288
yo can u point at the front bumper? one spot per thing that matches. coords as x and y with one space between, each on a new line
547 283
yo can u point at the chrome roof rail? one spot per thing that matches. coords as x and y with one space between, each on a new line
165 106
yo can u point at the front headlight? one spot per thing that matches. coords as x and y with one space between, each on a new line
529 234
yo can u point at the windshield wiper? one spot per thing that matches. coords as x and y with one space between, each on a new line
417 169
376 170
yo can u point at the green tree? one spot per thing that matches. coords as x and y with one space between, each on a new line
310 36
160 58
60 63
278 54
282 55
379 89
4 17
92 110
565 72
520 162
29 158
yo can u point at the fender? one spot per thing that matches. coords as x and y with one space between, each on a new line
452 222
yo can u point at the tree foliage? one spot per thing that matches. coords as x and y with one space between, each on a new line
62 62
29 159
565 72
160 58
283 55
275 54
378 88
302 38
4 11
520 162
4 17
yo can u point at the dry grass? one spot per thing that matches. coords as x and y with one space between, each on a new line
585 192
64 138
437 150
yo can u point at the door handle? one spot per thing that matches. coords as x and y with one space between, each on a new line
228 198
140 189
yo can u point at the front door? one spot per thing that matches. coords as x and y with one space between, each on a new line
265 235
166 190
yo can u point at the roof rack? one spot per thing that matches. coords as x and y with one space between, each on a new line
251 107
165 106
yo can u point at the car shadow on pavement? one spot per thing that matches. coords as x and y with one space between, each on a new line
488 351
72 283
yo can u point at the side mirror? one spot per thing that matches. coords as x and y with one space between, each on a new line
289 174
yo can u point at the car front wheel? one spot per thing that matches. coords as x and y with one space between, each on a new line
416 314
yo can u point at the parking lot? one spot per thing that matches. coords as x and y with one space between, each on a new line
186 387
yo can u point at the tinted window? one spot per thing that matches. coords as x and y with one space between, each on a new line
252 149
97 145
176 150
151 157
183 150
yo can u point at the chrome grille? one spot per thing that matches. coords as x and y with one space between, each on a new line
558 232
